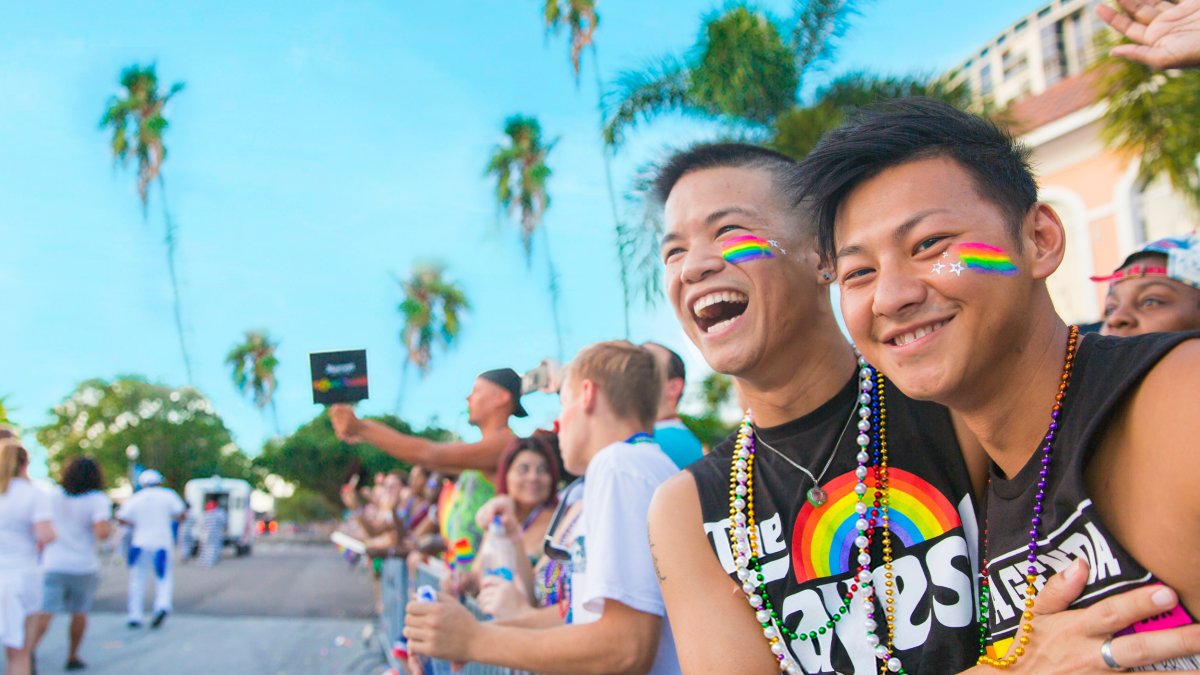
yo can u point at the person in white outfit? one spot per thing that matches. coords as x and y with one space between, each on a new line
25 528
70 564
151 512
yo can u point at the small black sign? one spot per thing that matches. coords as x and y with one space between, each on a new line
339 377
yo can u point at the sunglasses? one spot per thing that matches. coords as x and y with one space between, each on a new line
568 497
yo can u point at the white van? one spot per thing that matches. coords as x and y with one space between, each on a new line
233 495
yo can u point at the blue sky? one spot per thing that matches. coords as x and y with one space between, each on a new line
319 149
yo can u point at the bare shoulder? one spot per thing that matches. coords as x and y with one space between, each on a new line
1161 423
677 493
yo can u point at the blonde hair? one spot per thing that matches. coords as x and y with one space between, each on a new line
628 375
12 459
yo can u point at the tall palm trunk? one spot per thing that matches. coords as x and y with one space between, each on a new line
169 240
626 298
555 293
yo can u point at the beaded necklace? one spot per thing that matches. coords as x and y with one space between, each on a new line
1031 591
743 535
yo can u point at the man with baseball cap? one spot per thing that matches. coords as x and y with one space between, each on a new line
151 512
495 397
1156 289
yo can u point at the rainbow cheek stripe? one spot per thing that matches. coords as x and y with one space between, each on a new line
745 248
986 258
823 537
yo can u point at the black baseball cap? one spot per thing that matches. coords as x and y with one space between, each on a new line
507 379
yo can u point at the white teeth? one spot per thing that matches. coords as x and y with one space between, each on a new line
720 325
719 296
913 336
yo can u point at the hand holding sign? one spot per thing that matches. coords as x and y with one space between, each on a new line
345 423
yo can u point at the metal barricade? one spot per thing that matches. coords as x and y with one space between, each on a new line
397 589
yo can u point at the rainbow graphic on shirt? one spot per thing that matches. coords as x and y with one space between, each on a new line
745 248
823 537
986 258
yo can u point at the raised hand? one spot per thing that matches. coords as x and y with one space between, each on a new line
1167 34
345 423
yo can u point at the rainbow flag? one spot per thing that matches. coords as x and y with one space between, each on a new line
462 551
986 258
745 248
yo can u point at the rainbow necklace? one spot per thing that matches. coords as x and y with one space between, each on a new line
1004 661
743 534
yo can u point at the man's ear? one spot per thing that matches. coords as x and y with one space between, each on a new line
1043 232
674 387
588 395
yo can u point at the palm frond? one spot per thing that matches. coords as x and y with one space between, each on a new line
640 95
818 25
638 236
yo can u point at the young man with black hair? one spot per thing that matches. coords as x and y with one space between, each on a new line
675 439
744 279
942 251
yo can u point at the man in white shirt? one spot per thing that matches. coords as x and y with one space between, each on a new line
151 512
618 624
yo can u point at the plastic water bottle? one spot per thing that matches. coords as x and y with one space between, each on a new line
425 593
498 555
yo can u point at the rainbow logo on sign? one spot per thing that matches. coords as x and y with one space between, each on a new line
986 258
823 537
745 248
327 383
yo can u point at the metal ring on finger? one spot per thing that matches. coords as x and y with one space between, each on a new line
1106 654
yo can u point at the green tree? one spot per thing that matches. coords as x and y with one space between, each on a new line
710 426
580 18
313 458
520 169
432 308
306 506
4 410
136 119
745 68
1153 115
253 364
176 431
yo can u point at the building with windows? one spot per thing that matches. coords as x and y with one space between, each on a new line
1038 70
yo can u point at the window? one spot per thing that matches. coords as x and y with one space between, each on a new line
985 79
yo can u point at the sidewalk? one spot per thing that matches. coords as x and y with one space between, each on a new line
207 645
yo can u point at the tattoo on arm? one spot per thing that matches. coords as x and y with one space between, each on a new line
657 571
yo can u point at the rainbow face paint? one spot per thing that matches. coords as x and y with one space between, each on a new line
985 258
744 248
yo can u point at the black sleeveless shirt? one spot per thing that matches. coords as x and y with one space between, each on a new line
809 554
1106 371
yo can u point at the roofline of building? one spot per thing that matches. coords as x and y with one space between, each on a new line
1064 125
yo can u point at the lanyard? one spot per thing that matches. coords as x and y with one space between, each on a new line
640 437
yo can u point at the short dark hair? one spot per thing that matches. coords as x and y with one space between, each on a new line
81 476
784 169
904 130
675 368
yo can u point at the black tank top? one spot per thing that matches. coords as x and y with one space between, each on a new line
809 554
1106 371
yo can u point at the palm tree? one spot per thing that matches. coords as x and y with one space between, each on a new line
137 122
519 166
433 307
1153 115
254 363
580 17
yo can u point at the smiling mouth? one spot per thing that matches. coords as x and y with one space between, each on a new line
914 335
714 311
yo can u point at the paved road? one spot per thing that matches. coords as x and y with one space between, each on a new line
282 580
284 610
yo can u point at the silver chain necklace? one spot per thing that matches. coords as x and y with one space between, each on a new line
815 495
